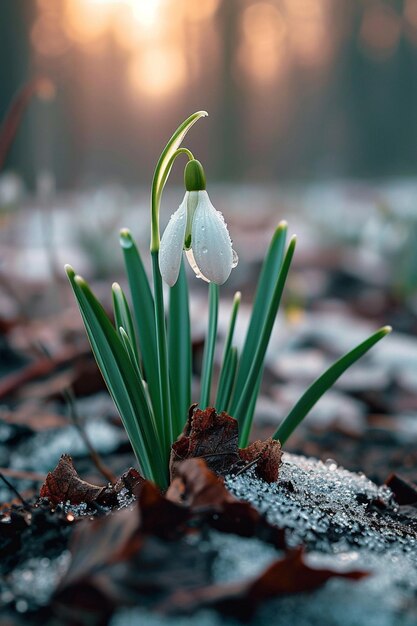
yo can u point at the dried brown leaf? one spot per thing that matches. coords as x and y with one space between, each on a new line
404 491
209 436
265 456
63 484
159 516
200 489
288 575
214 438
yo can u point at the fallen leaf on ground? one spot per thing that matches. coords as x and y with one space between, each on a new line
142 555
404 491
198 488
121 559
158 515
63 484
215 438
266 456
209 436
288 575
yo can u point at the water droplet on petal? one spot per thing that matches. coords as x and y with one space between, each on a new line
235 259
204 250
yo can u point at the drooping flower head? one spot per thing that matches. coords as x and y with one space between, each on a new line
199 229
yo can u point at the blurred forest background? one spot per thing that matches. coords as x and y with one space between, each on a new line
296 89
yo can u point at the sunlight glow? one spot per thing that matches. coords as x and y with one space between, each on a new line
261 52
157 72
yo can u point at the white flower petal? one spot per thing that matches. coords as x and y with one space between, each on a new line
191 260
172 243
210 241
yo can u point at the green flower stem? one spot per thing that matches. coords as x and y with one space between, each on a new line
162 356
209 345
220 399
225 386
179 349
323 383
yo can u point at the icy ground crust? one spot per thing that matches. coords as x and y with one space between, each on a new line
333 512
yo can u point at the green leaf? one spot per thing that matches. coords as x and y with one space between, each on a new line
179 349
131 353
209 346
323 383
267 281
123 318
162 171
250 412
144 315
162 355
125 387
242 411
227 381
220 399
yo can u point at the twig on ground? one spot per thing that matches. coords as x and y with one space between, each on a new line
75 418
14 490
37 369
22 475
248 466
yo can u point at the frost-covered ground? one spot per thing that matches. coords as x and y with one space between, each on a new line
340 517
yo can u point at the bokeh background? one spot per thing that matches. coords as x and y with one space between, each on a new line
296 89
312 117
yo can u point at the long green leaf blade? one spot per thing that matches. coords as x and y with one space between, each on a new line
250 412
209 346
267 280
123 317
123 384
323 383
179 349
244 404
144 316
130 351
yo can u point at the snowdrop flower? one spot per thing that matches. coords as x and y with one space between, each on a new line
201 231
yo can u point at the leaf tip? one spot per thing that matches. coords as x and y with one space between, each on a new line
69 270
80 281
386 330
125 238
